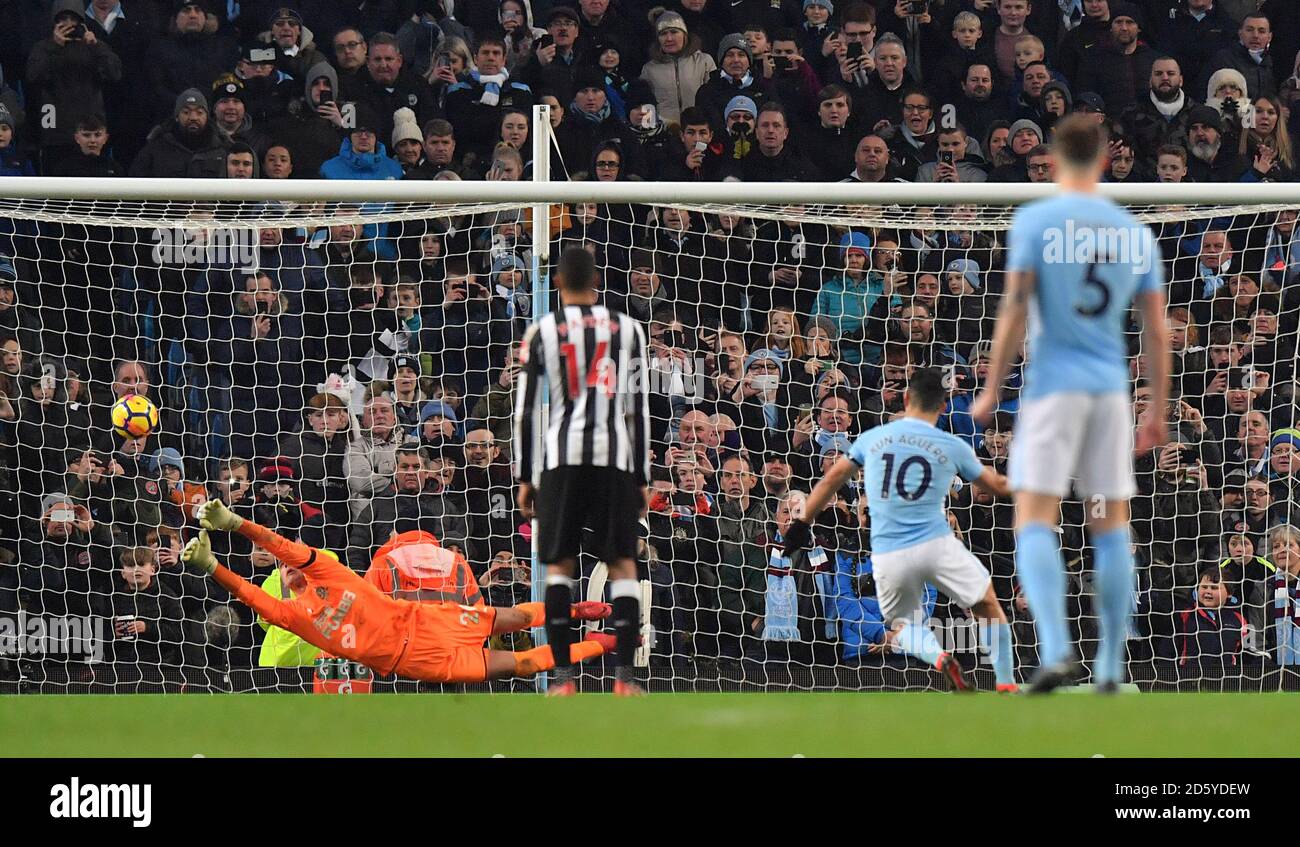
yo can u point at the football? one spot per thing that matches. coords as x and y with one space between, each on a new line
134 416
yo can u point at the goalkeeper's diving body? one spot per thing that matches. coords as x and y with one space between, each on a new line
349 617
908 468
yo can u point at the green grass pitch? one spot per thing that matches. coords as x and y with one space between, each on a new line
783 725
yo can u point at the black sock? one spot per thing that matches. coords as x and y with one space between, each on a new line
559 624
626 621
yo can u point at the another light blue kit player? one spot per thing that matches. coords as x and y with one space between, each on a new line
908 469
1089 258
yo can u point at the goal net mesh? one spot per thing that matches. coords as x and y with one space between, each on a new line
297 350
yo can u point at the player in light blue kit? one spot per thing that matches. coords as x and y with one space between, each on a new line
1076 263
908 469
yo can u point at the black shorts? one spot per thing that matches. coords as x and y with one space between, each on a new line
606 502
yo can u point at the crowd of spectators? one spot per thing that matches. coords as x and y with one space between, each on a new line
356 378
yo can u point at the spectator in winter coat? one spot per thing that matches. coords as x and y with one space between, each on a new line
68 73
677 66
1119 68
190 55
589 122
1211 634
387 85
318 455
295 50
90 158
1250 56
476 104
362 155
12 160
188 145
735 76
312 127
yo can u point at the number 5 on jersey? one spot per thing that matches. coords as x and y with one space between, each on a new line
600 375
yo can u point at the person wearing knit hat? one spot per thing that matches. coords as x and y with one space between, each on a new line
742 104
1287 436
1024 125
670 20
190 98
1125 9
735 41
825 4
408 141
1205 116
968 271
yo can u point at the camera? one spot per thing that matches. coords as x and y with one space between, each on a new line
854 50
78 33
545 41
782 63
1229 106
327 96
918 7
945 157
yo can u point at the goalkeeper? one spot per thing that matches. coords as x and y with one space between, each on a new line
343 614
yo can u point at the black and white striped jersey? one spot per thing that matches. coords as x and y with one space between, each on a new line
591 362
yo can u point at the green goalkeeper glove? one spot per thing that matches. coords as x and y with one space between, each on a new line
198 554
214 515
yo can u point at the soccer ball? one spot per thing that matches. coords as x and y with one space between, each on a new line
134 416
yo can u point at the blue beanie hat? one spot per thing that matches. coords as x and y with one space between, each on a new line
439 408
741 103
968 268
764 353
855 241
836 443
827 4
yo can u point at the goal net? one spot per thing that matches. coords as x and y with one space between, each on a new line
341 370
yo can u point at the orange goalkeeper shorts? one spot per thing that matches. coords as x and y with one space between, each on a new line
448 644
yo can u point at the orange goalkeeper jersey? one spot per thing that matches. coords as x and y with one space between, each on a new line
339 612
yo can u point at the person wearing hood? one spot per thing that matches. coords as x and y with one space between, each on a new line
476 104
1160 117
590 121
312 128
67 74
735 76
603 22
959 159
268 91
1056 103
519 31
294 45
231 115
431 22
1249 56
189 55
1226 94
847 298
387 85
677 66
1119 67
189 145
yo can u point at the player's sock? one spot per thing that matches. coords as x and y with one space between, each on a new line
1003 660
538 659
625 597
918 640
559 623
537 612
292 553
1041 571
1114 582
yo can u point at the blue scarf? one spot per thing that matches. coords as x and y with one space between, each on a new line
1212 281
824 576
781 610
592 117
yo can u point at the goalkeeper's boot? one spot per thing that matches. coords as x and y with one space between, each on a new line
590 610
952 672
628 688
604 639
568 688
1008 688
1048 678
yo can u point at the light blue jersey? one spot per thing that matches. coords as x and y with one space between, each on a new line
908 467
1089 258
